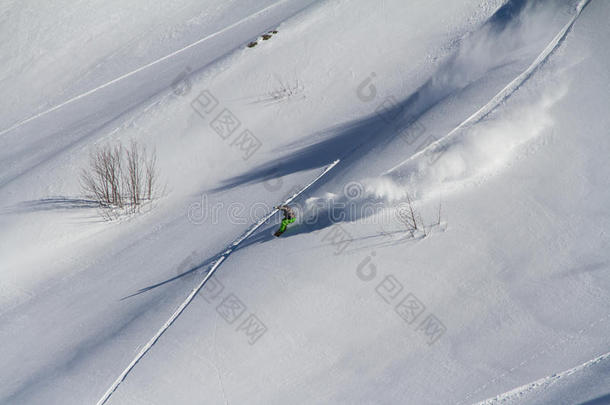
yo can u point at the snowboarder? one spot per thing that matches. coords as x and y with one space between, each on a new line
289 217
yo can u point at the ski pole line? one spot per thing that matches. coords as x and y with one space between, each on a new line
141 68
196 290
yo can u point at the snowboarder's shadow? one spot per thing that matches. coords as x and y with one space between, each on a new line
262 236
265 234
199 267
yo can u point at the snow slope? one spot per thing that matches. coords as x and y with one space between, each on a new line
515 271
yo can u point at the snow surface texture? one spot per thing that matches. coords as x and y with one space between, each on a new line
495 111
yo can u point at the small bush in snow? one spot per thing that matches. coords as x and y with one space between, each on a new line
409 216
119 178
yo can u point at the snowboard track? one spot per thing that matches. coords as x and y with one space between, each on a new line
223 256
504 94
544 382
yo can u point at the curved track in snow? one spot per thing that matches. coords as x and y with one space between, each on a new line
203 282
507 91
546 383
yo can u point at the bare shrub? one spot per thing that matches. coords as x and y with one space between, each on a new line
285 90
406 214
151 176
102 181
114 170
133 175
411 218
120 178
